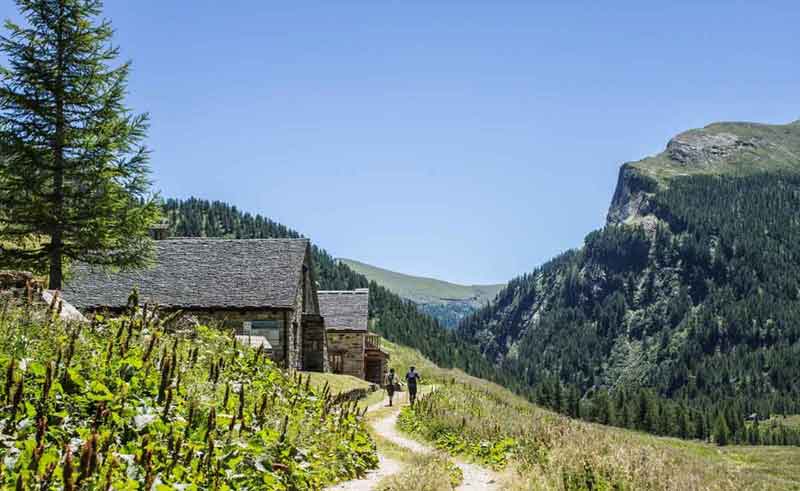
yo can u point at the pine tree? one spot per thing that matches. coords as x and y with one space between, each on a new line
74 178
682 422
603 409
755 433
721 431
573 403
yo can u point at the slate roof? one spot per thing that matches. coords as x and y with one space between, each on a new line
200 273
345 310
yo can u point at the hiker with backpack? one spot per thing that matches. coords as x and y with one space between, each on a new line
391 385
412 377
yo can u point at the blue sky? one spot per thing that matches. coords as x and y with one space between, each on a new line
469 141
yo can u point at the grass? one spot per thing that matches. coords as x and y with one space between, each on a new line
402 357
435 472
778 466
424 290
336 382
538 449
430 472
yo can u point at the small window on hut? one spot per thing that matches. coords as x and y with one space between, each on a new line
336 362
270 329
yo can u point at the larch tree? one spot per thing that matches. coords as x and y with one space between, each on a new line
74 174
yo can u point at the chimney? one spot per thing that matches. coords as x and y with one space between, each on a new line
160 231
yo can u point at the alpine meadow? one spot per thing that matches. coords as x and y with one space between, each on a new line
267 246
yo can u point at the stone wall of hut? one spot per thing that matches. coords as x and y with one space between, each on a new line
350 346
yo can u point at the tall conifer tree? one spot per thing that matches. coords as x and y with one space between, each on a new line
74 172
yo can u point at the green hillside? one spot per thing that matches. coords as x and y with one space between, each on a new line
681 316
424 290
447 302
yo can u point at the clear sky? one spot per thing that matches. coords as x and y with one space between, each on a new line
469 141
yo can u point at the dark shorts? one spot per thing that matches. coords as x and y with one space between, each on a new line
412 390
390 390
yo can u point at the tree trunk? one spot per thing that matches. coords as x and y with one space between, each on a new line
56 273
56 239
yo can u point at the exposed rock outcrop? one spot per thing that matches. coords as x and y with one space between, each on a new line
700 148
715 149
66 311
631 196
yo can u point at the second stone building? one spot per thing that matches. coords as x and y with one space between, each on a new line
352 349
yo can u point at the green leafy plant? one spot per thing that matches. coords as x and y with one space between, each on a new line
132 403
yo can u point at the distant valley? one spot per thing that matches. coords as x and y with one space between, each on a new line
445 301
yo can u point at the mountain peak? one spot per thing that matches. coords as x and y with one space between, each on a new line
718 148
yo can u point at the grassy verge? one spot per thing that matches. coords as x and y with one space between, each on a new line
344 383
790 421
336 383
434 472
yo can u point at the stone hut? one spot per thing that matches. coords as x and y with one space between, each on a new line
352 349
259 287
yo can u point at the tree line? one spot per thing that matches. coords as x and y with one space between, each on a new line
732 422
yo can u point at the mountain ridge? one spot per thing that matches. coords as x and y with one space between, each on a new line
447 302
425 288
687 298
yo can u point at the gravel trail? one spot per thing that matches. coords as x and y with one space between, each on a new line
476 478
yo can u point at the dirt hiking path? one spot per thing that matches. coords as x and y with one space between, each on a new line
476 478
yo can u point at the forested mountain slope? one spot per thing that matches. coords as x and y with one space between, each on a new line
446 302
396 319
681 315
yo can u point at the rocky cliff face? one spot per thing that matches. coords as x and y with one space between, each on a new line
630 199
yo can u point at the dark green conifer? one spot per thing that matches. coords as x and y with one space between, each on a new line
722 432
74 175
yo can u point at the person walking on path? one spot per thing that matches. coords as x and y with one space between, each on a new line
391 384
412 377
